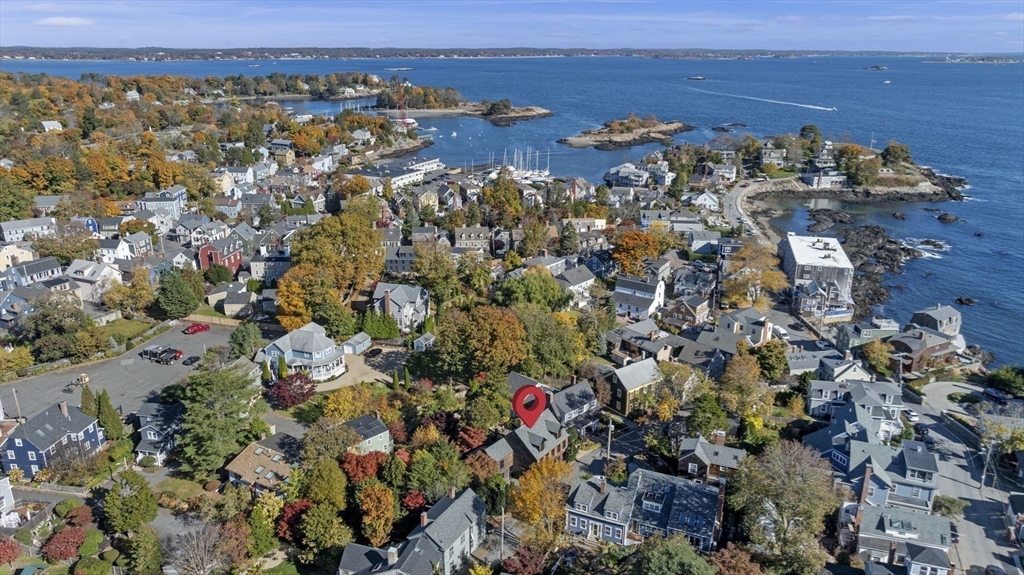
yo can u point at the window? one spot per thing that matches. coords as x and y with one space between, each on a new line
10 454
87 444
151 435
915 492
607 531
692 469
572 521
871 491
31 455
583 523
921 475
64 440
17 443
260 469
35 469
611 515
618 533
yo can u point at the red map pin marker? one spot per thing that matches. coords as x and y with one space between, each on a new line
530 414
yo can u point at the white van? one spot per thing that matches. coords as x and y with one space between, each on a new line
780 333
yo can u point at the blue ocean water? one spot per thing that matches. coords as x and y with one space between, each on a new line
961 119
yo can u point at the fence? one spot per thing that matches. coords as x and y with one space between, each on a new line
213 320
912 397
966 435
69 489
33 522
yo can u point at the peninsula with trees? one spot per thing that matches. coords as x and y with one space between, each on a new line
631 131
427 101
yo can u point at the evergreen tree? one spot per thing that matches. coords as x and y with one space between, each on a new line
568 240
282 368
88 403
326 483
144 554
176 298
130 504
262 536
266 376
394 379
408 380
108 417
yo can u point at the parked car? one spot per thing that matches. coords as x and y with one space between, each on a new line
196 328
911 415
994 570
796 326
920 429
190 360
928 441
954 535
995 395
822 344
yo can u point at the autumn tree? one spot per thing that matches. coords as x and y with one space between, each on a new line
9 551
743 389
539 501
896 154
671 555
359 467
132 297
876 353
324 534
556 347
504 199
435 270
64 544
753 271
631 248
481 466
771 357
707 416
377 504
736 560
786 495
535 286
528 560
325 484
344 246
72 241
293 390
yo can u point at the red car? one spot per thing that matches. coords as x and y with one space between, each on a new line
196 328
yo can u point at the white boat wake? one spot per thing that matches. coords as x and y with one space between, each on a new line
809 106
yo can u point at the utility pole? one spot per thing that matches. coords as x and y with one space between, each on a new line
501 553
608 458
18 405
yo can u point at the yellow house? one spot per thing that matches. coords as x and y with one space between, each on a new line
284 158
12 255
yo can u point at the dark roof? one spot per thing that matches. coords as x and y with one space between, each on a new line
367 426
287 445
927 556
571 398
51 426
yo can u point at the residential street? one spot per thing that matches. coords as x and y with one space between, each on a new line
129 379
983 534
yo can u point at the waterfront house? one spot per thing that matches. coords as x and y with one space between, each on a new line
772 155
409 305
637 297
32 228
156 425
627 175
264 465
706 201
447 535
941 318
373 434
916 349
59 432
363 137
825 397
707 462
649 504
852 337
820 275
308 349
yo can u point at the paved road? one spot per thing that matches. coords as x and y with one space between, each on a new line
129 379
983 534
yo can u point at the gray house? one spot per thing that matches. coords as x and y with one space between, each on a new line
650 504
308 348
156 425
446 536
373 434
409 305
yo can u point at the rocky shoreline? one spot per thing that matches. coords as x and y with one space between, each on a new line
824 219
873 254
476 110
938 188
606 140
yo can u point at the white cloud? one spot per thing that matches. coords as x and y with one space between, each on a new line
65 22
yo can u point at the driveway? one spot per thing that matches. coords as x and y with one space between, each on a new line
983 533
376 369
129 379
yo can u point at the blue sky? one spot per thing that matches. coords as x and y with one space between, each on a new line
950 26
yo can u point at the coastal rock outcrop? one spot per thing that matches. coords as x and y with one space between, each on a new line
948 219
625 133
872 253
985 357
826 218
899 216
964 300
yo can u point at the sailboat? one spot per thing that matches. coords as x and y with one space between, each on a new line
454 134
885 82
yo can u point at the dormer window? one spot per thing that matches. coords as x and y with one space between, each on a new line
582 507
611 515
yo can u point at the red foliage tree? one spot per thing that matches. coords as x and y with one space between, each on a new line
424 386
735 560
360 467
526 561
9 550
292 390
444 422
414 501
234 542
470 438
481 466
404 456
398 431
80 516
64 544
289 526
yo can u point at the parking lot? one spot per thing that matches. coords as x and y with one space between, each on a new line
129 379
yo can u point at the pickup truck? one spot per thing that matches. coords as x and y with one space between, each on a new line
169 356
152 352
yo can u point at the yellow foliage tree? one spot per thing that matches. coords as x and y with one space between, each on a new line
349 402
539 502
425 436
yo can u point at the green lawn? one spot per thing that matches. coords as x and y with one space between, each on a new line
125 329
184 489
307 412
22 561
289 568
208 311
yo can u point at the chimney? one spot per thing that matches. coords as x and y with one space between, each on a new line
387 302
64 409
392 555
604 485
424 520
719 438
864 487
376 414
451 493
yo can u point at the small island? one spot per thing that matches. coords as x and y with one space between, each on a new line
632 131
428 101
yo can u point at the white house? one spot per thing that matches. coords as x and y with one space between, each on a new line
308 349
638 298
706 201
